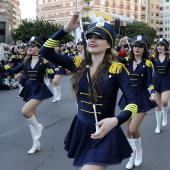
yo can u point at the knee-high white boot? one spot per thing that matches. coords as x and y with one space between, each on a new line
37 126
58 93
138 158
131 162
158 115
20 89
36 143
164 119
55 94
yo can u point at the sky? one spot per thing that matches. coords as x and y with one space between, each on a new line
28 9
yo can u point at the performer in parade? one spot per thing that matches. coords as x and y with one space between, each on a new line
19 76
34 90
141 70
96 87
58 73
161 77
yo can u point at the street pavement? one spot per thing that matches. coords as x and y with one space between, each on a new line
15 138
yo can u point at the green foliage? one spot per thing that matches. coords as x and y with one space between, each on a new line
39 28
140 28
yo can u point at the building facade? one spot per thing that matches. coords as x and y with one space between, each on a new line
10 15
154 12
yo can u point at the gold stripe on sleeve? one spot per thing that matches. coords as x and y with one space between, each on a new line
133 108
50 43
50 71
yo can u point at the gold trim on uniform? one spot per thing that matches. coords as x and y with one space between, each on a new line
32 71
149 63
103 30
87 94
127 58
50 71
82 101
133 108
133 79
90 112
50 43
77 61
116 68
151 87
31 79
6 67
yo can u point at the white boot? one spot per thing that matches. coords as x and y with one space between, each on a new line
58 93
37 126
158 120
55 94
20 89
36 143
47 81
131 162
164 119
138 158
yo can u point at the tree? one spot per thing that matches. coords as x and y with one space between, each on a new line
39 28
140 28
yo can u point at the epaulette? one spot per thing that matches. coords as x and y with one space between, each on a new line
116 68
50 43
127 58
50 71
149 63
116 52
169 56
153 55
66 51
6 67
20 56
77 60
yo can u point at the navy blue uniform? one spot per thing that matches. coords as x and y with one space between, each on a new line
141 81
161 74
114 147
34 87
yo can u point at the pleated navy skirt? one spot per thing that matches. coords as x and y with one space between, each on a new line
110 150
142 99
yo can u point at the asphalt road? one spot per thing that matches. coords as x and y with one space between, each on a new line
15 138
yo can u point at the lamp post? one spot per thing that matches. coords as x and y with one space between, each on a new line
75 31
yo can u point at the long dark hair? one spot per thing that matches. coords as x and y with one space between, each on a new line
166 54
145 54
108 59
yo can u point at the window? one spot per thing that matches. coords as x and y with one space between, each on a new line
40 1
57 6
71 4
157 21
161 22
161 15
161 29
71 13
